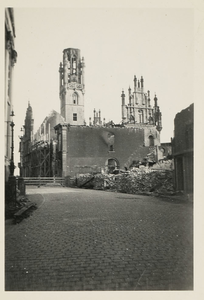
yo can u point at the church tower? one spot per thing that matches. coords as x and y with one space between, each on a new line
29 122
71 87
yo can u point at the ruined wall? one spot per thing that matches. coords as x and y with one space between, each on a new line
151 131
183 149
89 148
46 130
183 131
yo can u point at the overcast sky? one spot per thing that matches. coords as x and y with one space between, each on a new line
116 43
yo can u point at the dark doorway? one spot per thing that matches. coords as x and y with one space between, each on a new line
112 164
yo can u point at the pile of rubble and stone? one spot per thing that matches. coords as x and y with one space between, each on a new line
146 181
143 180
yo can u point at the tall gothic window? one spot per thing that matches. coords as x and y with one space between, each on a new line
75 98
141 117
74 65
151 140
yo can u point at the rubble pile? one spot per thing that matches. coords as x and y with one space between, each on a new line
98 181
146 181
105 181
163 165
85 180
138 180
134 181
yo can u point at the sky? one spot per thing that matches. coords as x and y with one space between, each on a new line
116 43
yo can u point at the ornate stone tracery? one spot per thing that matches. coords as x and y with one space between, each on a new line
72 80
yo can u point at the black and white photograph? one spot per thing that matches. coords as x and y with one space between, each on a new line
99 188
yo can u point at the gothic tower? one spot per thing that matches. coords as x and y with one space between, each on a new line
71 87
28 126
26 143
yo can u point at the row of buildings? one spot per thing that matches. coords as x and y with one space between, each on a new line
65 145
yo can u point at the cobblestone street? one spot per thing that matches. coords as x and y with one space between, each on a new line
84 240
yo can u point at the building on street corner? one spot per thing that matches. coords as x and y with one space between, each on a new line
10 60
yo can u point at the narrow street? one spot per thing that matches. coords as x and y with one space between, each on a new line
88 240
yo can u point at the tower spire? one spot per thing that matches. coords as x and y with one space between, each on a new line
142 82
155 100
123 106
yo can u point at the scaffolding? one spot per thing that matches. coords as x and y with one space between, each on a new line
41 159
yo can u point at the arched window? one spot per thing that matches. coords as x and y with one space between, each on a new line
151 140
75 98
112 164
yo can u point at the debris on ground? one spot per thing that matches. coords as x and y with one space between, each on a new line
19 208
138 180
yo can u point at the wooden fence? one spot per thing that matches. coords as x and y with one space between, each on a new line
43 180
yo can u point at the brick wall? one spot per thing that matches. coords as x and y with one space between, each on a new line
89 148
183 130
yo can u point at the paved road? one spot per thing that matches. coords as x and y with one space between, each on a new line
94 240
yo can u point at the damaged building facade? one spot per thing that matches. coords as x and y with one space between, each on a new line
183 150
38 151
75 147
